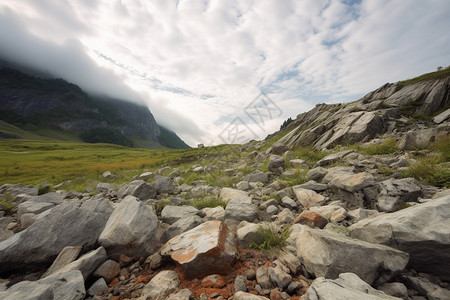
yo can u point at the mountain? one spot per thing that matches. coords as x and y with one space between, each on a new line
55 108
413 111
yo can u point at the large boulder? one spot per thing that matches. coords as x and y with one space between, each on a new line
207 249
67 224
421 230
347 287
308 198
171 213
66 286
241 209
130 230
276 164
226 194
162 185
257 176
327 254
138 189
396 192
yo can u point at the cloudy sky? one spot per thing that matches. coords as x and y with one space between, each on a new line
218 71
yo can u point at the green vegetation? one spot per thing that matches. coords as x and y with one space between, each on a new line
309 154
388 146
419 118
7 203
272 238
105 135
296 178
428 76
207 202
286 123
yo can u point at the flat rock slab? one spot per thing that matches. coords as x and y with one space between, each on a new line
421 230
207 249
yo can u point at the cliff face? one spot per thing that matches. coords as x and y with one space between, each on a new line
54 102
393 109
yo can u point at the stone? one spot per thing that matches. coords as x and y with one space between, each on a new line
207 249
138 189
308 198
162 185
276 164
108 270
296 163
272 210
65 257
395 289
333 158
145 176
290 261
317 173
97 287
313 185
417 139
257 176
396 192
249 233
214 281
420 230
311 219
184 294
347 286
247 296
180 226
268 203
278 149
359 214
442 116
87 263
227 194
243 186
263 277
426 288
27 219
214 213
131 229
285 217
239 284
67 286
103 187
352 183
33 207
171 214
327 254
59 228
336 173
52 197
289 203
327 211
241 209
280 277
163 284
107 174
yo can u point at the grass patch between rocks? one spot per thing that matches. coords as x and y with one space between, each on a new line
272 238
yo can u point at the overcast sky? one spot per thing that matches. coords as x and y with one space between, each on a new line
201 66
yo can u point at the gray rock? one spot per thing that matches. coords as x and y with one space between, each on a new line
97 287
396 192
249 233
227 194
278 149
359 214
51 197
247 296
27 219
239 284
426 288
442 117
289 203
65 257
421 231
317 173
107 174
276 164
347 287
333 158
280 277
214 213
313 185
243 186
395 289
335 212
257 176
130 230
296 163
337 172
272 210
103 187
86 263
171 214
262 277
162 185
40 243
33 207
184 294
290 261
308 198
67 286
285 217
352 183
327 254
163 284
207 249
145 176
241 209
182 225
268 203
138 189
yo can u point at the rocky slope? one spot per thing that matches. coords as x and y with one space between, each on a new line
256 221
34 103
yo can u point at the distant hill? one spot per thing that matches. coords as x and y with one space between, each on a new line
56 109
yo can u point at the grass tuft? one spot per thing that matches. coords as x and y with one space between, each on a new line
7 203
208 202
272 238
388 146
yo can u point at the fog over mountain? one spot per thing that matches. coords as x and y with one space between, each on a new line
198 65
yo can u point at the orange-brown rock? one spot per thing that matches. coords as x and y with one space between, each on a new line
204 250
311 219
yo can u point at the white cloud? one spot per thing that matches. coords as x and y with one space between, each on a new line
198 64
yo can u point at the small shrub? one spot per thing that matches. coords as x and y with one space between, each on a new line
272 238
44 189
299 177
388 146
208 202
7 203
442 146
309 154
385 170
430 170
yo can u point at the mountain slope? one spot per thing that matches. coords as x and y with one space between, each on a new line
406 110
39 106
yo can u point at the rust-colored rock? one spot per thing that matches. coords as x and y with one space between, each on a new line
143 279
214 281
207 249
275 295
311 219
